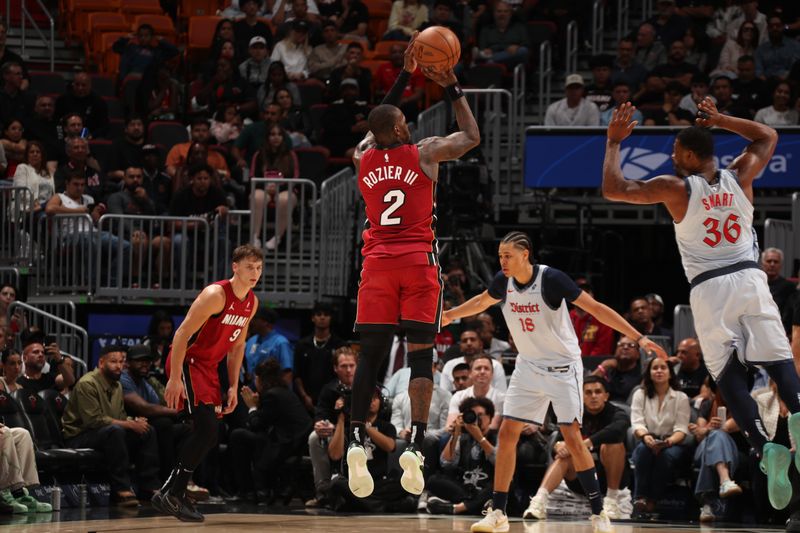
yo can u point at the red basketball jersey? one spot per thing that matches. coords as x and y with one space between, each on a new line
401 201
216 337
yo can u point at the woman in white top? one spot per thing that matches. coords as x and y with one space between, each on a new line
779 113
660 420
745 45
405 18
293 51
34 174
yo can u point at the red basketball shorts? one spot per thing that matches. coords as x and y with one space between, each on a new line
201 384
409 296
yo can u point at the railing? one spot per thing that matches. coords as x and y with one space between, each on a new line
50 42
571 55
10 275
518 91
16 229
72 339
779 234
339 210
598 26
623 18
67 258
545 77
431 122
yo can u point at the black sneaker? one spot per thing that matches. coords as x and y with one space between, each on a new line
793 524
180 508
439 506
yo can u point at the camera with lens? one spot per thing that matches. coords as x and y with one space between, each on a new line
346 393
469 417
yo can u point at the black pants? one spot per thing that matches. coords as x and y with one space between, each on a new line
170 435
244 446
120 446
448 488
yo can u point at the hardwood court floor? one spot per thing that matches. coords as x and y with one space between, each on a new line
143 521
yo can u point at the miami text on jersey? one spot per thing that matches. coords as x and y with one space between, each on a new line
234 320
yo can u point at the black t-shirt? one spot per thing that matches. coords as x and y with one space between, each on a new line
601 96
668 70
185 203
556 286
315 365
377 459
609 426
126 154
47 381
690 382
327 400
358 13
244 32
474 470
621 384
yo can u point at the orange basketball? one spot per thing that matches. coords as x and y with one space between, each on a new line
437 47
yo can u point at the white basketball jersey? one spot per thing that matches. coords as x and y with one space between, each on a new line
542 335
717 230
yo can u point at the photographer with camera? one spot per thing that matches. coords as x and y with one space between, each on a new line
40 351
464 484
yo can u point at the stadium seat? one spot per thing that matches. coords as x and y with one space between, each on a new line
197 8
131 8
99 23
317 111
47 83
104 85
162 26
379 11
115 107
11 412
372 65
79 11
383 48
486 75
116 128
311 92
313 162
167 134
107 59
201 34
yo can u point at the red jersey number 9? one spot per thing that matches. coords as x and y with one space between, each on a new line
235 335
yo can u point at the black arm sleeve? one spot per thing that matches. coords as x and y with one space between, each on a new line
497 288
614 432
557 286
394 94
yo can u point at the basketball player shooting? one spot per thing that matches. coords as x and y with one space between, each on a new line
400 280
215 327
736 319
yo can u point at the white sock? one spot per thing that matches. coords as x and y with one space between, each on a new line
613 493
543 493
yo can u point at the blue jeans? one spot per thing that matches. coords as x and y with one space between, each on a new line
654 472
717 447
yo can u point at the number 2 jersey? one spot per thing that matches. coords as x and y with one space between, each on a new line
717 230
400 203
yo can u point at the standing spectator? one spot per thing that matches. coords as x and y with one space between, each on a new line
437 415
128 148
414 91
200 133
15 102
604 429
155 180
745 44
329 55
227 87
649 50
775 57
749 91
9 56
594 337
574 109
692 373
78 161
293 51
505 40
481 374
469 347
276 79
660 421
34 174
625 68
45 128
622 373
676 68
19 472
35 356
352 68
95 418
779 113
491 344
14 145
268 343
137 52
313 356
669 26
405 18
353 21
249 27
599 91
256 68
641 317
344 123
81 99
781 288
722 91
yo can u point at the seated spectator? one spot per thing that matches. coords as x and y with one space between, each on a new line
354 69
34 174
695 49
80 98
252 137
669 25
8 295
295 120
256 68
745 44
464 485
670 113
274 160
227 87
95 417
491 344
599 91
17 451
481 375
594 337
406 17
14 145
625 68
749 91
300 13
223 33
722 90
70 127
200 133
622 373
604 427
699 91
234 10
15 102
676 68
660 421
574 109
11 370
45 128
226 125
276 79
137 52
470 346
277 426
9 56
329 55
656 308
159 338
505 40
79 162
649 50
159 95
36 356
155 180
128 148
344 123
249 27
781 112
641 317
329 407
692 371
293 51
312 356
225 50
288 10
442 15
437 415
353 21
267 343
782 289
775 56
462 377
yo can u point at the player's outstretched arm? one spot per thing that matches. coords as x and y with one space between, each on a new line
207 303
455 145
471 307
614 320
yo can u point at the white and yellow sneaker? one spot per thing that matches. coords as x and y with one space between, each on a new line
495 521
601 523
358 477
412 462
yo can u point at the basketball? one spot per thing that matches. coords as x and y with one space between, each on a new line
437 47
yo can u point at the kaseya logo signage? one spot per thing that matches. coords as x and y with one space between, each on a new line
640 163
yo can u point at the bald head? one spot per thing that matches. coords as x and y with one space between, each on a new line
689 353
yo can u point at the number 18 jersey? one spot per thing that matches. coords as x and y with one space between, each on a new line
717 230
400 203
